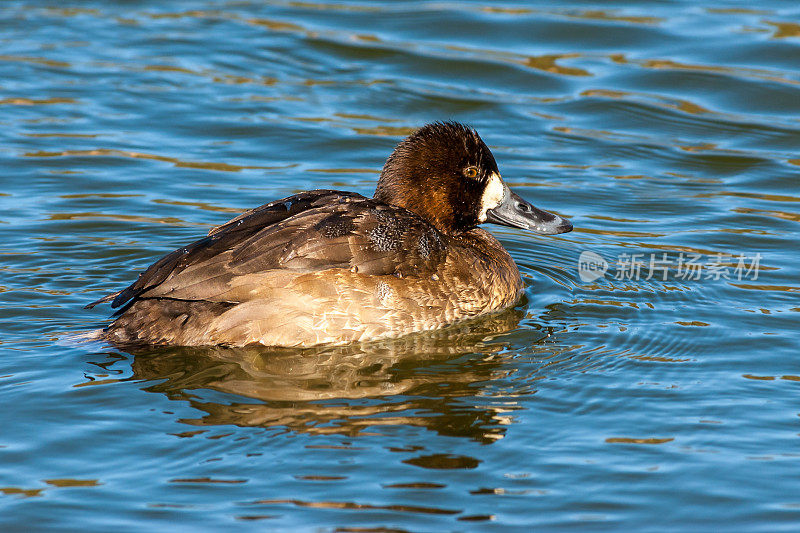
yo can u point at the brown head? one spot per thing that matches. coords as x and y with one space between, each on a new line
445 173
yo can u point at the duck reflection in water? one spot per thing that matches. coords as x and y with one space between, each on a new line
417 380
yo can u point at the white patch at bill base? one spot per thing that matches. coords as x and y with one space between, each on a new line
493 195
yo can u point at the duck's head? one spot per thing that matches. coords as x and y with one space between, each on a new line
445 173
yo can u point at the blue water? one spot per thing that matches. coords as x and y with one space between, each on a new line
646 399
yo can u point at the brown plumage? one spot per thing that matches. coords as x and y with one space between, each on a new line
330 267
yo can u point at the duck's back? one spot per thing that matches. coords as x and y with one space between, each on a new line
317 267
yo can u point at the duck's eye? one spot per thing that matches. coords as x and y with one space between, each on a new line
471 172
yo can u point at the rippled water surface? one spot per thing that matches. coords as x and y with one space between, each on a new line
648 399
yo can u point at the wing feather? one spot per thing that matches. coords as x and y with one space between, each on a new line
307 232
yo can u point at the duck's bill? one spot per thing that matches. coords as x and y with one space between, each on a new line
515 212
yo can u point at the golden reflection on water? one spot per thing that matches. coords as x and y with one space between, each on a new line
668 64
761 74
361 116
53 483
171 221
634 440
663 101
389 131
766 288
337 7
67 482
785 215
736 11
17 491
109 152
506 10
753 195
624 234
277 25
208 480
62 135
360 506
588 14
36 61
205 206
596 133
170 68
784 29
617 219
548 63
37 101
71 11
308 390
345 170
606 15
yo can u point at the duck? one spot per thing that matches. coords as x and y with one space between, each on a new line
327 267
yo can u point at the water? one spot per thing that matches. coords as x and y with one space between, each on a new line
130 128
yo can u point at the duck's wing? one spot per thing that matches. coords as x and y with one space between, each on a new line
221 237
312 231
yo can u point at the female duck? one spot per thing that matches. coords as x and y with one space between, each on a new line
330 267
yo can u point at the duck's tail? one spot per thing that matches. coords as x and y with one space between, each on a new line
105 299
